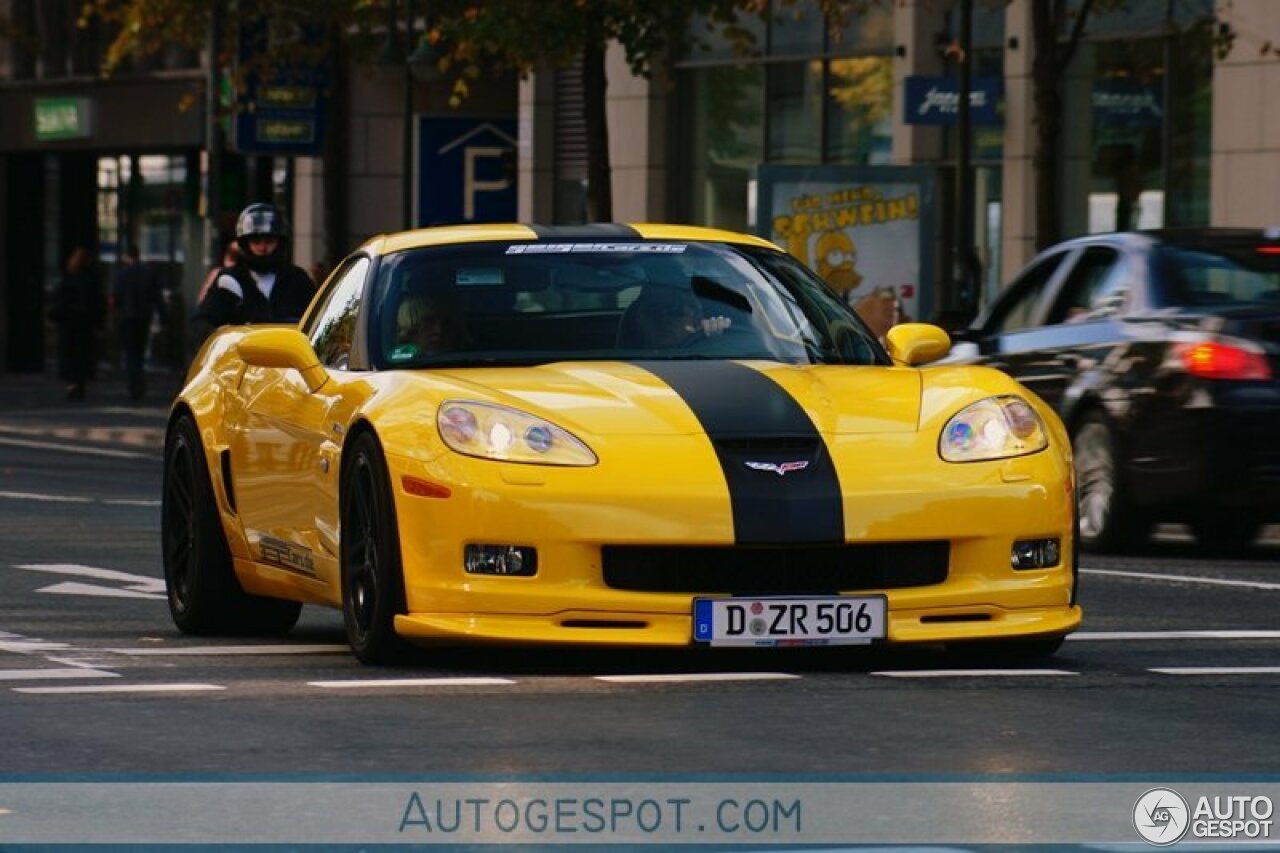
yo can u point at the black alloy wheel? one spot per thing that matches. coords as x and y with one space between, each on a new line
372 578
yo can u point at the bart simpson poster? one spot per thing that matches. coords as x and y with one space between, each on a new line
863 229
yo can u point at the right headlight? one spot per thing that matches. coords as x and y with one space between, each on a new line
994 428
489 431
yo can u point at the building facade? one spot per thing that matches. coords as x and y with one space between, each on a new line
1160 129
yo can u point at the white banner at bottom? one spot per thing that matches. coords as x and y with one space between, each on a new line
770 811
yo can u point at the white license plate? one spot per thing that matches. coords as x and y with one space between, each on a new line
809 621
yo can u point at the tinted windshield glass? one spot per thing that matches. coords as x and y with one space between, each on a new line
529 303
1218 276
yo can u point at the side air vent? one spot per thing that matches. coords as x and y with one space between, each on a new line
224 459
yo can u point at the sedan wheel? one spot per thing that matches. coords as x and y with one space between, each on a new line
1220 533
372 581
1106 521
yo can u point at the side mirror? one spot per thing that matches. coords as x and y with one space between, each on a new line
917 343
282 347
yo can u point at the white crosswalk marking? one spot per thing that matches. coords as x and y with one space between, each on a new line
970 673
410 682
135 586
275 649
122 688
668 678
42 674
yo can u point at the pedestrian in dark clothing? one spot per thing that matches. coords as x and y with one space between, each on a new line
77 311
136 299
263 287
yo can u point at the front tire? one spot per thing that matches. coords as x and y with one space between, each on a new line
372 576
204 596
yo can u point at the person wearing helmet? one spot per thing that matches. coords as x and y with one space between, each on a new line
262 287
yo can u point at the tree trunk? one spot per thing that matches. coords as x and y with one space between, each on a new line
599 170
1046 93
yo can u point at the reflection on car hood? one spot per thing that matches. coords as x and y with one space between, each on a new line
677 398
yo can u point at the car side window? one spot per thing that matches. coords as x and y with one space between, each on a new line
1096 287
1025 293
333 329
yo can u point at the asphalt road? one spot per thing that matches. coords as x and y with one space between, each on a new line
94 678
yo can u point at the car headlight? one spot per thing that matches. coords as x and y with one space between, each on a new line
994 428
497 432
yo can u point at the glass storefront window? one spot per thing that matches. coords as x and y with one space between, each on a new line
795 112
822 93
859 110
796 31
726 114
1126 186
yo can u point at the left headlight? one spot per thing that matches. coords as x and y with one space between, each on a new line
495 432
994 428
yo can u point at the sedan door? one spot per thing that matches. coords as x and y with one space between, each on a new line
1067 349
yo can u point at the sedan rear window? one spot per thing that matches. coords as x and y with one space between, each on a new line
1212 276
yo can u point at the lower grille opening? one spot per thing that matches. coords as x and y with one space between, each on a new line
957 617
602 623
775 569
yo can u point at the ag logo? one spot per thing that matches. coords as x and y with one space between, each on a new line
1161 817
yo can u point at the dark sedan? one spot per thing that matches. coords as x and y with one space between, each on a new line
1161 351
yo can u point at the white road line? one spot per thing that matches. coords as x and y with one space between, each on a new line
72 448
410 682
42 674
77 588
23 646
122 688
55 499
1217 670
969 673
1175 635
137 586
279 649
76 499
695 676
1154 576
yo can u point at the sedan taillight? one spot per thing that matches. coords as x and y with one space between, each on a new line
1213 360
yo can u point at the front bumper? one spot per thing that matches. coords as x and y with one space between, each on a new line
570 515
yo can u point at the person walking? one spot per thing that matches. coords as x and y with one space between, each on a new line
135 299
77 312
264 287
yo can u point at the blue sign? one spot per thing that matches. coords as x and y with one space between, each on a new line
282 108
936 100
1123 104
466 170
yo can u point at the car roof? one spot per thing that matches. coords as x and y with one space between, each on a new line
518 232
1178 236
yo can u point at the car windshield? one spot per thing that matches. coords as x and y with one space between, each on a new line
1222 275
531 303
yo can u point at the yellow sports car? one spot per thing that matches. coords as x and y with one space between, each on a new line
631 435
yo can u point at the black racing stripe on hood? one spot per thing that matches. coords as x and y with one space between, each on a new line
751 418
589 231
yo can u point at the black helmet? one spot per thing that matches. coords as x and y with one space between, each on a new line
261 220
